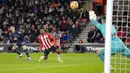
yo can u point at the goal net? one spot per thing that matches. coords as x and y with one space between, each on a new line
121 20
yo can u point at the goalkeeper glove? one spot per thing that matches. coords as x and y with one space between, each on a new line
92 15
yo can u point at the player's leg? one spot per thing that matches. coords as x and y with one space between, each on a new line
46 53
101 53
26 52
125 51
122 48
15 49
57 50
45 57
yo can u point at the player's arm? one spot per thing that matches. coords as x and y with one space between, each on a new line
92 17
7 41
95 23
52 38
20 34
10 38
39 41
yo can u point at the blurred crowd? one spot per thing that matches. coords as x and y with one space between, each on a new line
121 21
123 32
94 35
29 15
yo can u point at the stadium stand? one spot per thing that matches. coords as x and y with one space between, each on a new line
29 15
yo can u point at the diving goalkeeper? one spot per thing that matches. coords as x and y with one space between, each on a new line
117 46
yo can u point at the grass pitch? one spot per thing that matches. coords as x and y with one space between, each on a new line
73 63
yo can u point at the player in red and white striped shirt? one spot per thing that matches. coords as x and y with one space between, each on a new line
47 43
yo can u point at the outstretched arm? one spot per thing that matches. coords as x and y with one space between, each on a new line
95 23
92 17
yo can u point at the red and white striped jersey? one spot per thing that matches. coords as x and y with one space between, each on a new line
46 41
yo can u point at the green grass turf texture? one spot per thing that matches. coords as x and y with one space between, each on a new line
73 63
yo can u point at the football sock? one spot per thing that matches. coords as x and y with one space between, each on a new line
26 52
16 51
58 56
101 57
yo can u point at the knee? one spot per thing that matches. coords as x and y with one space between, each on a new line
24 47
14 47
57 51
98 51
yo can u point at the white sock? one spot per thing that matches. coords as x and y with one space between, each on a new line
58 56
21 54
42 57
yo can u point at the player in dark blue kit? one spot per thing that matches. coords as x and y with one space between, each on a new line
18 39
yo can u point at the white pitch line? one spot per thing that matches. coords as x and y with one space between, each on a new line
36 68
42 67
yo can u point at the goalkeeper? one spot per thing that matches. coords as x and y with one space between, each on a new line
117 46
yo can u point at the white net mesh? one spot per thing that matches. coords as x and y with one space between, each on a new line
121 20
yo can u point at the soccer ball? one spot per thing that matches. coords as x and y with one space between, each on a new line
74 5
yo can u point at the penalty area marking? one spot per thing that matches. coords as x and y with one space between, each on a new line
42 67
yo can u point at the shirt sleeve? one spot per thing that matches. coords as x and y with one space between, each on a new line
51 38
96 23
38 39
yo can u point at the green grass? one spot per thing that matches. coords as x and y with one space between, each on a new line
73 63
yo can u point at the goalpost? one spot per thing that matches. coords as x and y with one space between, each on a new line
118 14
108 36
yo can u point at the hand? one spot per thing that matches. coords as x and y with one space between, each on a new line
15 38
92 15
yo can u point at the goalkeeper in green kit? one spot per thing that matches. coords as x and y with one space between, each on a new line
117 46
